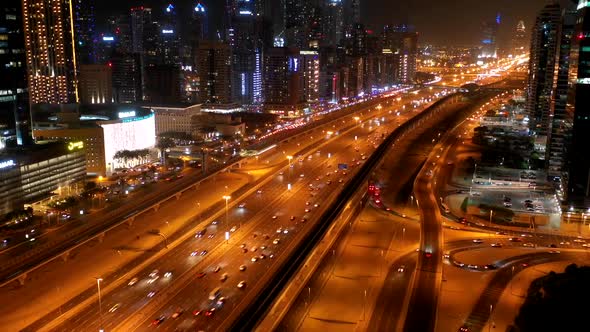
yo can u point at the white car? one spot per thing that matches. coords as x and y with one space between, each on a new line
276 241
254 259
401 269
242 205
233 229
132 282
242 284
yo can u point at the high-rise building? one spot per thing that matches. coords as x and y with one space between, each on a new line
140 18
14 101
401 41
296 23
214 70
489 45
543 57
558 135
127 77
333 22
283 82
162 84
50 49
578 191
310 62
85 31
119 27
519 40
199 23
169 43
96 84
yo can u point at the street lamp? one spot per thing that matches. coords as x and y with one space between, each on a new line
98 280
227 198
289 159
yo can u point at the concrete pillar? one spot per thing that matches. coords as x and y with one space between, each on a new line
130 221
156 207
65 256
178 195
100 237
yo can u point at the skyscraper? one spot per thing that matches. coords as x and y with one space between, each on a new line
14 103
333 22
579 166
214 70
519 43
169 46
140 18
558 135
127 77
85 31
543 57
283 81
489 46
50 50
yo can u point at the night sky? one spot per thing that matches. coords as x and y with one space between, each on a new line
453 22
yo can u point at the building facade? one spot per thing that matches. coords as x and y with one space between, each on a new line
96 84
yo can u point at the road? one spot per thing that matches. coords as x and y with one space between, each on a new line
278 186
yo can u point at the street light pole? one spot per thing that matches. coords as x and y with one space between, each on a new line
226 198
98 280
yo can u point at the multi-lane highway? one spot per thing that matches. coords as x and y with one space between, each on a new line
277 192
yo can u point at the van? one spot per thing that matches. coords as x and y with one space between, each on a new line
215 293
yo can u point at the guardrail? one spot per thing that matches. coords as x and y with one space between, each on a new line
249 318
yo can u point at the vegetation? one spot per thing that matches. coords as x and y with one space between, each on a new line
556 302
64 204
138 156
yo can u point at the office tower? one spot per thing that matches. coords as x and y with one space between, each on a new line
169 43
402 43
127 77
579 159
96 84
543 57
489 46
283 82
333 22
141 17
85 30
214 69
558 137
14 102
199 22
355 11
519 41
296 23
50 49
105 46
119 27
162 84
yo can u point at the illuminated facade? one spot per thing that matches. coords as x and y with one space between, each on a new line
169 47
519 41
310 62
283 81
50 51
32 173
85 30
96 84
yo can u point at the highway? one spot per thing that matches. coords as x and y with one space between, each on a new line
260 210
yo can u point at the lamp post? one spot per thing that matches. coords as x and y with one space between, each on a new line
226 198
98 280
289 158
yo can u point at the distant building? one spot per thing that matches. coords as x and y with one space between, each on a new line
85 30
578 193
283 82
169 43
489 43
519 40
177 119
310 62
162 84
214 70
51 51
96 84
141 17
28 174
15 117
127 77
543 57
333 22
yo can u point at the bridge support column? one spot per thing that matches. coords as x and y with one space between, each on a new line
156 207
197 185
178 196
130 221
100 237
65 256
21 279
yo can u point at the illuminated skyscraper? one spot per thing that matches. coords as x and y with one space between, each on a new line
169 48
50 50
489 46
544 51
579 166
85 29
14 103
214 70
283 81
519 41
141 17
333 22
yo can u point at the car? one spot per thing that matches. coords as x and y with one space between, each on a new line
307 210
266 236
464 328
528 201
401 269
507 204
279 230
340 180
151 294
224 277
303 220
274 216
316 205
579 240
244 250
243 245
262 256
490 267
233 229
197 312
276 241
152 280
242 205
194 253
515 239
242 267
215 222
554 251
203 253
301 175
254 259
292 218
210 312
281 173
132 282
477 241
496 245
115 307
201 275
328 182
528 244
253 249
242 284
158 320
154 273
200 233
552 245
177 314
262 247
221 301
472 266
211 235
168 274
308 203
285 231
217 269
259 192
